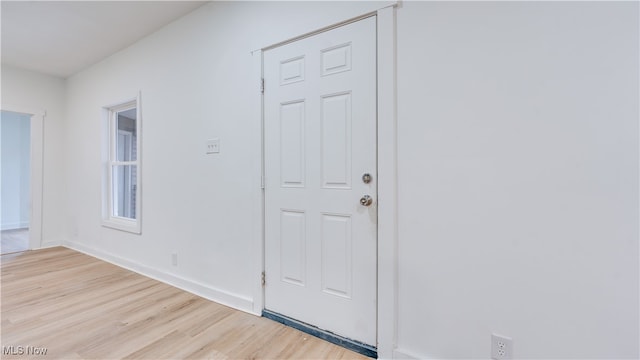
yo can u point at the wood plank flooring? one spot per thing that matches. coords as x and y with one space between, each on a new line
78 307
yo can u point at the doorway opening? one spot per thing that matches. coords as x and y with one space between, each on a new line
15 143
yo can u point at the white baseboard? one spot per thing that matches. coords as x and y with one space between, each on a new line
403 354
48 244
223 297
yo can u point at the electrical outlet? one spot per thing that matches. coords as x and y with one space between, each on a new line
213 146
174 259
501 347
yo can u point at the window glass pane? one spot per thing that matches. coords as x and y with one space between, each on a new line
126 149
124 191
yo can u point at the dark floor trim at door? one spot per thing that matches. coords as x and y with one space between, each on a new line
361 348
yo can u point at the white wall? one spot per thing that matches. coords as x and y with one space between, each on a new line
518 178
15 170
29 90
518 167
196 77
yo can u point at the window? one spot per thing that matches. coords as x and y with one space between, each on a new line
121 200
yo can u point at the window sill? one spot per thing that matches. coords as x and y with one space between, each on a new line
122 224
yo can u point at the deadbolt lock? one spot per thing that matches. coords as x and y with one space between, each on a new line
366 178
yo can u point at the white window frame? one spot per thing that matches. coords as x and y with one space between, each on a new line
128 135
109 161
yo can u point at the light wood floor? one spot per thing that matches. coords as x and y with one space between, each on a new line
77 306
14 240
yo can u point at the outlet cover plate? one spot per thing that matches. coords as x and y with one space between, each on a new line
501 347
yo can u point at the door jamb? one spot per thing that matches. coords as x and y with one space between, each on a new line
387 177
387 184
36 168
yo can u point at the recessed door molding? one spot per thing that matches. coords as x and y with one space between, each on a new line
37 117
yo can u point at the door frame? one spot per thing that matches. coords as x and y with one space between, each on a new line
36 168
386 143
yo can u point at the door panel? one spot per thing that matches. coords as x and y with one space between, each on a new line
320 138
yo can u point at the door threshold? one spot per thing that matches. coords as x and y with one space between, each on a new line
353 345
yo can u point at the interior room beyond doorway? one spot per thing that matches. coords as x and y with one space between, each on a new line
16 181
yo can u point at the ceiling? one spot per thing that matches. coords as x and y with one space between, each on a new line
61 38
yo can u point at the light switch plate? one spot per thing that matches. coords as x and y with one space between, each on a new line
213 146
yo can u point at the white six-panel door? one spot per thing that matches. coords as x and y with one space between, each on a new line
320 139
